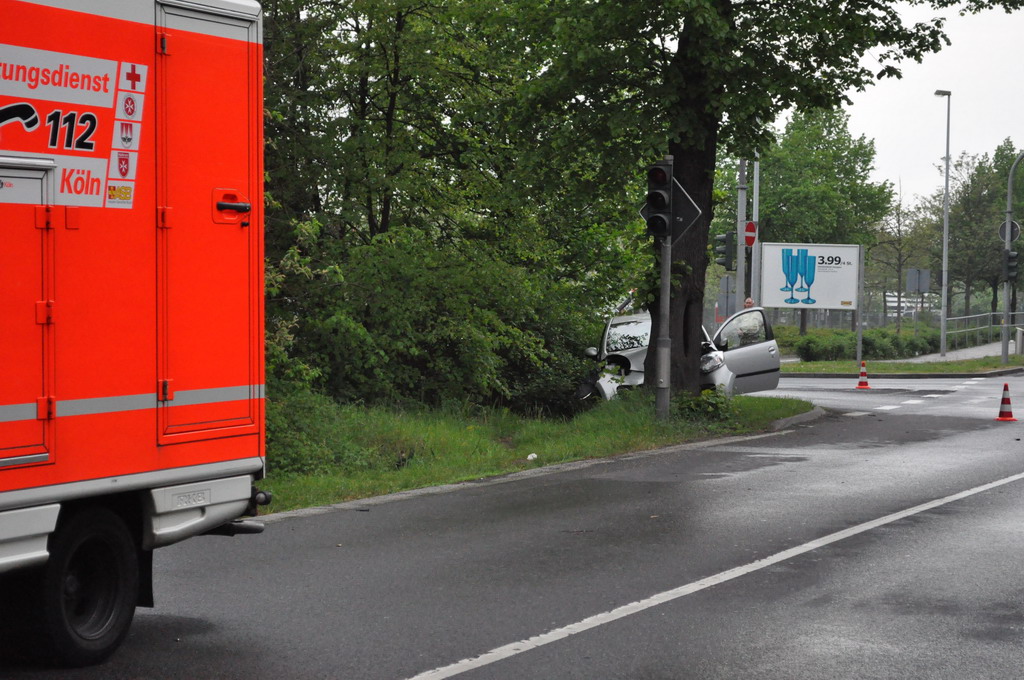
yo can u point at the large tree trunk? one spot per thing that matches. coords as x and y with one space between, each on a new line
694 155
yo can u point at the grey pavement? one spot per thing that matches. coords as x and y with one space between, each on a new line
992 349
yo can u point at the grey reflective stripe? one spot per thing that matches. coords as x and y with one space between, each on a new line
88 407
142 12
129 10
134 402
9 414
213 396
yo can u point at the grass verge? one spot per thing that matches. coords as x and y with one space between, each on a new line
848 367
415 449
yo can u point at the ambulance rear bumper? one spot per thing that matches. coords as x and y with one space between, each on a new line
23 535
176 504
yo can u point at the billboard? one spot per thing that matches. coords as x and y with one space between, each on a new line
810 275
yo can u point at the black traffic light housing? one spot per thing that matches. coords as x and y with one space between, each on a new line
658 211
727 250
1010 264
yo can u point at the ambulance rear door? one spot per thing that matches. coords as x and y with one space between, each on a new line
210 198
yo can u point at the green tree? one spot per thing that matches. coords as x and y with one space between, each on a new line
977 206
419 247
901 244
687 76
815 183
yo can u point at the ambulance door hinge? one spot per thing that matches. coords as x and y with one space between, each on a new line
165 391
46 408
44 312
161 42
50 216
163 218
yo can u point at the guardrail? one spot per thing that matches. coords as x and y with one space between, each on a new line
978 329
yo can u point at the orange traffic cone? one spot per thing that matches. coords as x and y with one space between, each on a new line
1005 413
863 384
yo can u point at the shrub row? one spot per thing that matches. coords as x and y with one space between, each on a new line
822 344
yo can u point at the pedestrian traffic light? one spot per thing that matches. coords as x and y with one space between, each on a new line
1010 264
658 211
727 250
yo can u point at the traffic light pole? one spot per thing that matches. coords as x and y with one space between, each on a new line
741 248
662 394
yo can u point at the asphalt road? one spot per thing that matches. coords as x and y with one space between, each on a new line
881 545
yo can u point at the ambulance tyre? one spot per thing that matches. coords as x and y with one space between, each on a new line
89 588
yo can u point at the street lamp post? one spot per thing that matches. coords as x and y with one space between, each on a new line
945 232
1007 316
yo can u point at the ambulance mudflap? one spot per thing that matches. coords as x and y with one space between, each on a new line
131 304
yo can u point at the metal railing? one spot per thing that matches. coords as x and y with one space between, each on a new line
978 329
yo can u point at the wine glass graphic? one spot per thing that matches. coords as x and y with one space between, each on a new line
792 271
787 264
801 258
809 278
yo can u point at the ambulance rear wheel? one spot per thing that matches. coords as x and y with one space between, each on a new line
90 587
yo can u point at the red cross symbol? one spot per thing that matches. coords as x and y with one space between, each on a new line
133 76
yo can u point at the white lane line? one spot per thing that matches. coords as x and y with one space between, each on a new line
932 396
854 414
886 408
913 401
507 651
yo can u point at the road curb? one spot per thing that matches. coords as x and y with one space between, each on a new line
798 419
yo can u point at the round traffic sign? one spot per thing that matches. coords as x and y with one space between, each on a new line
750 234
1014 231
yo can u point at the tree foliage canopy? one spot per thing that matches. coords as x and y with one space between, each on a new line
452 186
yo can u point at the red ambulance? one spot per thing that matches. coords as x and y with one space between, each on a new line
131 300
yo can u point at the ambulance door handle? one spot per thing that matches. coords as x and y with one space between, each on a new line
229 206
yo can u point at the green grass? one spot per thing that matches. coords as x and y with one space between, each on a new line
415 449
883 367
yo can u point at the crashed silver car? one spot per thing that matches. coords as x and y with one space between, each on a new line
743 356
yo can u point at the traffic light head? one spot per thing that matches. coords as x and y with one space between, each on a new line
1010 264
726 249
658 211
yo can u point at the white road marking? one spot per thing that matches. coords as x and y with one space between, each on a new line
854 414
932 396
515 648
886 408
913 401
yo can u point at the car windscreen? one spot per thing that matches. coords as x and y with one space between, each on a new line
625 335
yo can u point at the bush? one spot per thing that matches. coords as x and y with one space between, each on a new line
878 344
823 344
787 337
710 406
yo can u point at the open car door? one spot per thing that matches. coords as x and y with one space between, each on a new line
750 351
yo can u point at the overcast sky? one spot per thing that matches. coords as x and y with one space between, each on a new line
983 68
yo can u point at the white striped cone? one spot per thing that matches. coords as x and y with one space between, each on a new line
1005 412
863 384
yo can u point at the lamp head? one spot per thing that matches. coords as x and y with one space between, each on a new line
942 93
